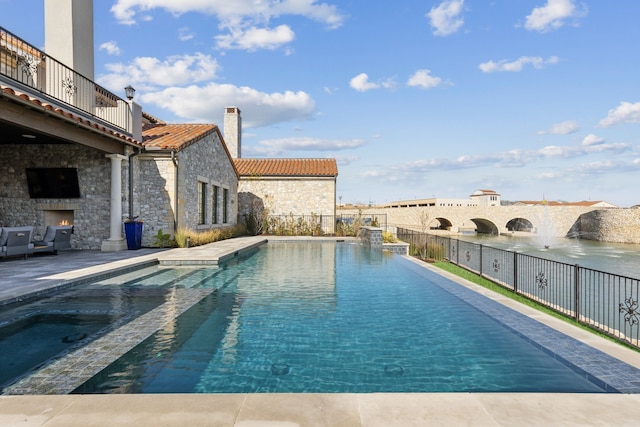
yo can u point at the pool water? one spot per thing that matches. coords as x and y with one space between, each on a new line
36 331
325 317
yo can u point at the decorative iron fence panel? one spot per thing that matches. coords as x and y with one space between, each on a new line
611 303
604 301
548 282
498 265
469 256
35 70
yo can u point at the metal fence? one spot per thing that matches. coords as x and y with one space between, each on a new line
318 225
603 301
34 71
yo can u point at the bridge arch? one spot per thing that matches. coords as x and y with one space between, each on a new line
520 224
485 226
441 224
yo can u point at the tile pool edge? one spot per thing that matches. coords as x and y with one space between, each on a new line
586 351
81 279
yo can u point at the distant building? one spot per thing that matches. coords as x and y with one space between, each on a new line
478 198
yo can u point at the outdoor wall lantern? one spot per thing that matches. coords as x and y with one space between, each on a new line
129 91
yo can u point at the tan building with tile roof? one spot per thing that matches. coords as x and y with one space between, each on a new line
287 186
287 167
291 187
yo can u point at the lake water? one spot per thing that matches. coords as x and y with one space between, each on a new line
617 258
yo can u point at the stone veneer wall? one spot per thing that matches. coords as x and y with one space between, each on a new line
610 225
371 237
399 248
154 181
284 196
91 210
203 161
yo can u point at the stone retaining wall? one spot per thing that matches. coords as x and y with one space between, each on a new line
397 248
610 225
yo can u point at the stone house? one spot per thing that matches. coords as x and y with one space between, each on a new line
73 152
184 178
65 140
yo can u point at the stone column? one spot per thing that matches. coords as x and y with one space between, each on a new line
115 242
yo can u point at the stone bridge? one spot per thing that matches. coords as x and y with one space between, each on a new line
605 224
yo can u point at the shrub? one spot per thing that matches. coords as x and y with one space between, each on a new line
300 225
388 237
198 238
163 240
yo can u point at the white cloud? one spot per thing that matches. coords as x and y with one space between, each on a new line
361 83
256 38
505 159
206 103
126 11
424 79
110 47
445 18
626 112
517 65
185 34
592 139
552 15
592 169
148 73
564 128
277 147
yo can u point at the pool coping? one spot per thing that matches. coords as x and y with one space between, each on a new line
376 409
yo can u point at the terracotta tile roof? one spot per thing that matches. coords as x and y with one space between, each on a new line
287 167
174 136
56 111
151 119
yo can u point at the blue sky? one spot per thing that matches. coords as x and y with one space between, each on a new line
414 99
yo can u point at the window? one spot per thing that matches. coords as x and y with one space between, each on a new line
202 202
214 205
225 202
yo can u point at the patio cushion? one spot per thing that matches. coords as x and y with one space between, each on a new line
50 234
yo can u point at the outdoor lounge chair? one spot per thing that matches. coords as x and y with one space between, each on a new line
15 241
56 237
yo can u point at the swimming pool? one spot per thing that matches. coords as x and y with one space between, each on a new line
325 317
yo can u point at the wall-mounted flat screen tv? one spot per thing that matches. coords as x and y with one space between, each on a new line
53 183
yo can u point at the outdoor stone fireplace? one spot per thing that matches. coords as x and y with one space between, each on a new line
58 217
58 213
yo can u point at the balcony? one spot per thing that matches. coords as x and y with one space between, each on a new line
31 71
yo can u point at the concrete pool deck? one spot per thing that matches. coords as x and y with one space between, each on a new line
36 274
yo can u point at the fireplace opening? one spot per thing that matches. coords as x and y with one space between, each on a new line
58 217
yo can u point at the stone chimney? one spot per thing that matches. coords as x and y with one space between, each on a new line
233 131
68 34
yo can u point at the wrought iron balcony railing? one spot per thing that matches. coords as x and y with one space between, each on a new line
37 73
